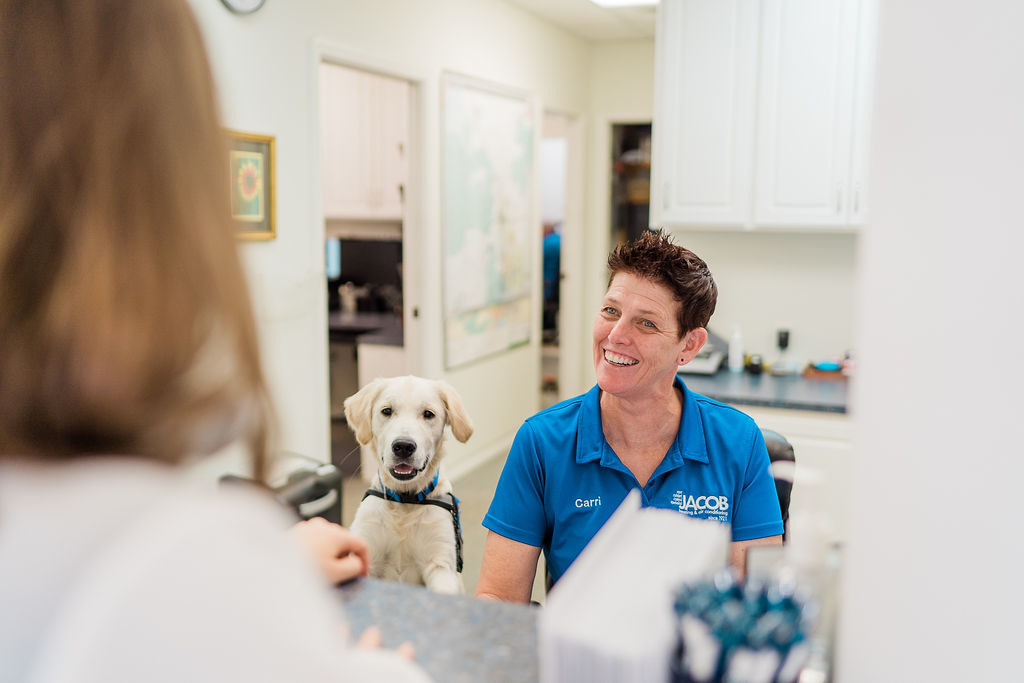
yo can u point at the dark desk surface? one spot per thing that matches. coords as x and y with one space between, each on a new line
365 328
786 391
457 637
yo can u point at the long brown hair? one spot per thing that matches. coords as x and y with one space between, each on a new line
125 323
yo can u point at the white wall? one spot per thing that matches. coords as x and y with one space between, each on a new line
932 590
803 282
263 65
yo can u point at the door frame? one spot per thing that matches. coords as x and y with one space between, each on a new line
325 51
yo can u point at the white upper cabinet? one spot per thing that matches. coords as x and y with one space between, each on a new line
761 112
705 80
364 134
805 110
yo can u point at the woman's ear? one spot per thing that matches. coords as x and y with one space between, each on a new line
462 428
359 411
693 342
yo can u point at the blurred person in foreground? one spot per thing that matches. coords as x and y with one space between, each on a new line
571 465
127 348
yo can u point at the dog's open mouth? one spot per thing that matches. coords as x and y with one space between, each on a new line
404 472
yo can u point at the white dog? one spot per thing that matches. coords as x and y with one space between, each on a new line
409 516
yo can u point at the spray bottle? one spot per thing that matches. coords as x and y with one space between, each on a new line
736 350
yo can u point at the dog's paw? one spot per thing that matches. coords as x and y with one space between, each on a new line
445 582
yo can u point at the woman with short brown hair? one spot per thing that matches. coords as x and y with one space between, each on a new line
639 428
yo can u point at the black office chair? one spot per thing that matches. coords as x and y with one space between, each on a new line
780 452
309 487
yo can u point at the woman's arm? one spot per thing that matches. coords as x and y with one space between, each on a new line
738 551
508 569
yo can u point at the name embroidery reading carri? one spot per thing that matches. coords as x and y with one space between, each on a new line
588 502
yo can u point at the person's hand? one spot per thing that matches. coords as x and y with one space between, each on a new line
371 640
340 554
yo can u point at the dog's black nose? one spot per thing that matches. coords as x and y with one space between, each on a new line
403 448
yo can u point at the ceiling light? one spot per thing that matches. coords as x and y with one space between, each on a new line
625 3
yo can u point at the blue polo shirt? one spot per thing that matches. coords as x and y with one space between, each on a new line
562 481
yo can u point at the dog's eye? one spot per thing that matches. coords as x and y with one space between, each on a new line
428 414
386 412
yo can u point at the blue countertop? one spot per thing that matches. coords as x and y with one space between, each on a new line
457 637
365 328
795 392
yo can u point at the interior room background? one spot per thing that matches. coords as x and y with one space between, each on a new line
265 66
946 178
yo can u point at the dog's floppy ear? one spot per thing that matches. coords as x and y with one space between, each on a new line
462 428
359 410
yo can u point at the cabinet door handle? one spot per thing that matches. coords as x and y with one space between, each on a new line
856 199
839 201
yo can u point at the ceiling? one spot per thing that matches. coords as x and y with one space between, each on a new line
588 21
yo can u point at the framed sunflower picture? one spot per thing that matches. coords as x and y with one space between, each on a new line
251 163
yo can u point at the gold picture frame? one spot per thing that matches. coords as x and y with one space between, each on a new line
253 185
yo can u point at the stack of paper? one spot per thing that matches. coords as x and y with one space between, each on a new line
610 617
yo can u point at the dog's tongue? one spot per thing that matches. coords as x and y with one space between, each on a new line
403 469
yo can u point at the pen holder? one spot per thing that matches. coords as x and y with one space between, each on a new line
752 632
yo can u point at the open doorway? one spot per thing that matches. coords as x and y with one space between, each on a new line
554 175
631 181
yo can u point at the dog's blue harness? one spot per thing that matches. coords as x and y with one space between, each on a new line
420 498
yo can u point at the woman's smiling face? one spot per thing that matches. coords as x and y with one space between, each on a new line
637 348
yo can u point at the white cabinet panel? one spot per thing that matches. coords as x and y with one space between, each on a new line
379 360
823 447
364 131
808 56
703 131
819 483
392 99
863 96
761 111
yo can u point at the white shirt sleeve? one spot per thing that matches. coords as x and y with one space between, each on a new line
208 590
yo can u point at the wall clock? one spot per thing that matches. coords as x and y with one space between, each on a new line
243 6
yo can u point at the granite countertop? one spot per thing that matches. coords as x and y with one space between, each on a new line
365 328
795 392
457 637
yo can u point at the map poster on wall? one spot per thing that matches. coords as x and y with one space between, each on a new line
487 157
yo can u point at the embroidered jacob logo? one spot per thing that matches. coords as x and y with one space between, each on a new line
703 506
